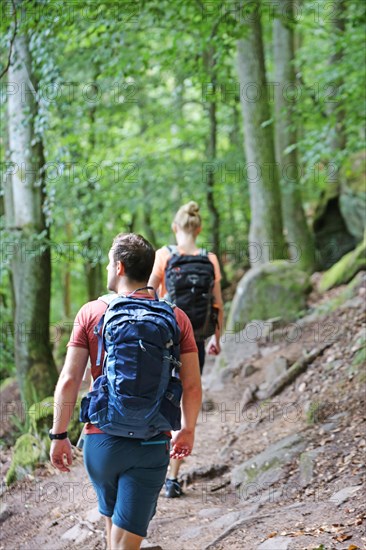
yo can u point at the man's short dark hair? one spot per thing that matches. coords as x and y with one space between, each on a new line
136 254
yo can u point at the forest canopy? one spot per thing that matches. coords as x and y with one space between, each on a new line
115 113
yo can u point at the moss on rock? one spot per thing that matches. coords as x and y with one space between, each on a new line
345 269
275 289
353 197
33 447
28 451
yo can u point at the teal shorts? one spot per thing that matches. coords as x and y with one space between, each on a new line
127 475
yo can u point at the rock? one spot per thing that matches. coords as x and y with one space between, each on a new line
204 472
191 533
229 373
276 368
236 349
93 515
76 533
249 370
5 512
307 466
226 451
275 543
274 289
341 496
254 471
332 238
226 521
268 350
352 199
208 405
248 397
345 269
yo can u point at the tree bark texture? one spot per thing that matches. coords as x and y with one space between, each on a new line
265 235
211 156
297 234
30 252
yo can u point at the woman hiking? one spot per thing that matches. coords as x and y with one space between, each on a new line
181 274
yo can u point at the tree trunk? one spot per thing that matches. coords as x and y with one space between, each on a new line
297 234
31 260
93 272
211 156
265 234
337 113
92 265
67 278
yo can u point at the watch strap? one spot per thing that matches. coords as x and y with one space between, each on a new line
52 436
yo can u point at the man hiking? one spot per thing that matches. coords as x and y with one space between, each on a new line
127 472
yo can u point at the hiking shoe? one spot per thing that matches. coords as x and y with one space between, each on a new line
172 488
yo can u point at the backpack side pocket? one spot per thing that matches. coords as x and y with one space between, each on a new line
170 405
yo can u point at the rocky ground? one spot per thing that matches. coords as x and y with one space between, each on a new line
277 465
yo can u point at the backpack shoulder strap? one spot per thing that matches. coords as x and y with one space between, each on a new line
107 298
173 249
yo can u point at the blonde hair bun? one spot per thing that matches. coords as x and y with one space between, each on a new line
192 208
188 217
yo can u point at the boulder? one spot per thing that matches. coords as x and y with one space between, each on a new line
264 469
276 368
274 289
352 199
332 238
345 269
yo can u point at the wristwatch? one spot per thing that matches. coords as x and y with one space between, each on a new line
57 436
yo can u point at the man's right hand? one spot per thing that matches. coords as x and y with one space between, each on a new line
61 454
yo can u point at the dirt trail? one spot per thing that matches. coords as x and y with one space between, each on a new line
296 503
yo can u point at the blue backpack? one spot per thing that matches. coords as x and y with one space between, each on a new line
138 393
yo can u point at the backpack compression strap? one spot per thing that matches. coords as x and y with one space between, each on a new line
108 299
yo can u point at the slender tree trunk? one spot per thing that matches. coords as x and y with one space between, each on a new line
297 234
93 272
92 265
67 278
31 262
338 138
265 234
211 156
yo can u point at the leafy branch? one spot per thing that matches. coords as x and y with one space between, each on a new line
6 68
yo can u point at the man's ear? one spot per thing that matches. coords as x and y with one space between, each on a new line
174 227
120 268
198 231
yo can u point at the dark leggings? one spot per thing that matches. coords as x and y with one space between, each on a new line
201 354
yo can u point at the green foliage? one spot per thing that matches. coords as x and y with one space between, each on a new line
124 94
7 364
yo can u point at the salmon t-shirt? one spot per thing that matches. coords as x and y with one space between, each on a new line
83 336
161 259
